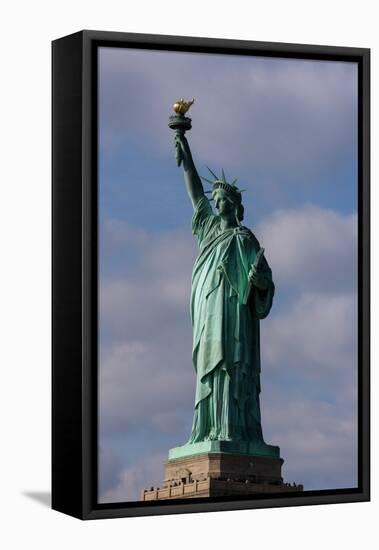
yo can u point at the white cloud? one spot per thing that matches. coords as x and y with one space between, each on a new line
317 331
318 440
309 400
132 480
109 467
311 249
150 292
147 384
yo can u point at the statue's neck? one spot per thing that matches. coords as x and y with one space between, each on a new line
228 223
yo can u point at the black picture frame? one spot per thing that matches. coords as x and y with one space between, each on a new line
74 273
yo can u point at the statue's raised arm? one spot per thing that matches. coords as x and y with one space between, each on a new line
181 123
191 177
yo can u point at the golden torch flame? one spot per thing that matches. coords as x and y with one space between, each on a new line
181 106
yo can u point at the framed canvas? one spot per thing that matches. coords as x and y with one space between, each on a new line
210 275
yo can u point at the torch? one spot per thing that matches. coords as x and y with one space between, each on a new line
180 123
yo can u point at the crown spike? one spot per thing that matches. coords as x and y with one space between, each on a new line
213 174
221 183
206 179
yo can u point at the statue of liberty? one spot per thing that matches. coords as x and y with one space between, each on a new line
232 290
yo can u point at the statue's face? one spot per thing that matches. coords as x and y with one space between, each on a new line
224 205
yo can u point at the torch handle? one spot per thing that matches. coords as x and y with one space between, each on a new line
178 152
179 124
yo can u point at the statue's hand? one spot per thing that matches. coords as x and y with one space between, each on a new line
182 143
257 279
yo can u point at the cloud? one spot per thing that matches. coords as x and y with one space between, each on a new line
311 249
146 385
109 467
318 440
146 374
132 480
296 116
146 280
309 346
317 331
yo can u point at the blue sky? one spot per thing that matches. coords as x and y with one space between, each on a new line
287 129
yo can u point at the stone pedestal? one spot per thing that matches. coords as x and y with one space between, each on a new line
220 474
258 448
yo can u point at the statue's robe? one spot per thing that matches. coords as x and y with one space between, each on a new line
226 354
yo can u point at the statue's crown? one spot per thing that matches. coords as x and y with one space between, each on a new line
221 183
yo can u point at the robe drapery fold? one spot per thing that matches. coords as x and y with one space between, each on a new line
226 353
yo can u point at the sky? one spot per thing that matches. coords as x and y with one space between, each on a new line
287 129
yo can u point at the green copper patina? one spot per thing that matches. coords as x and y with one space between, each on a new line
232 290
